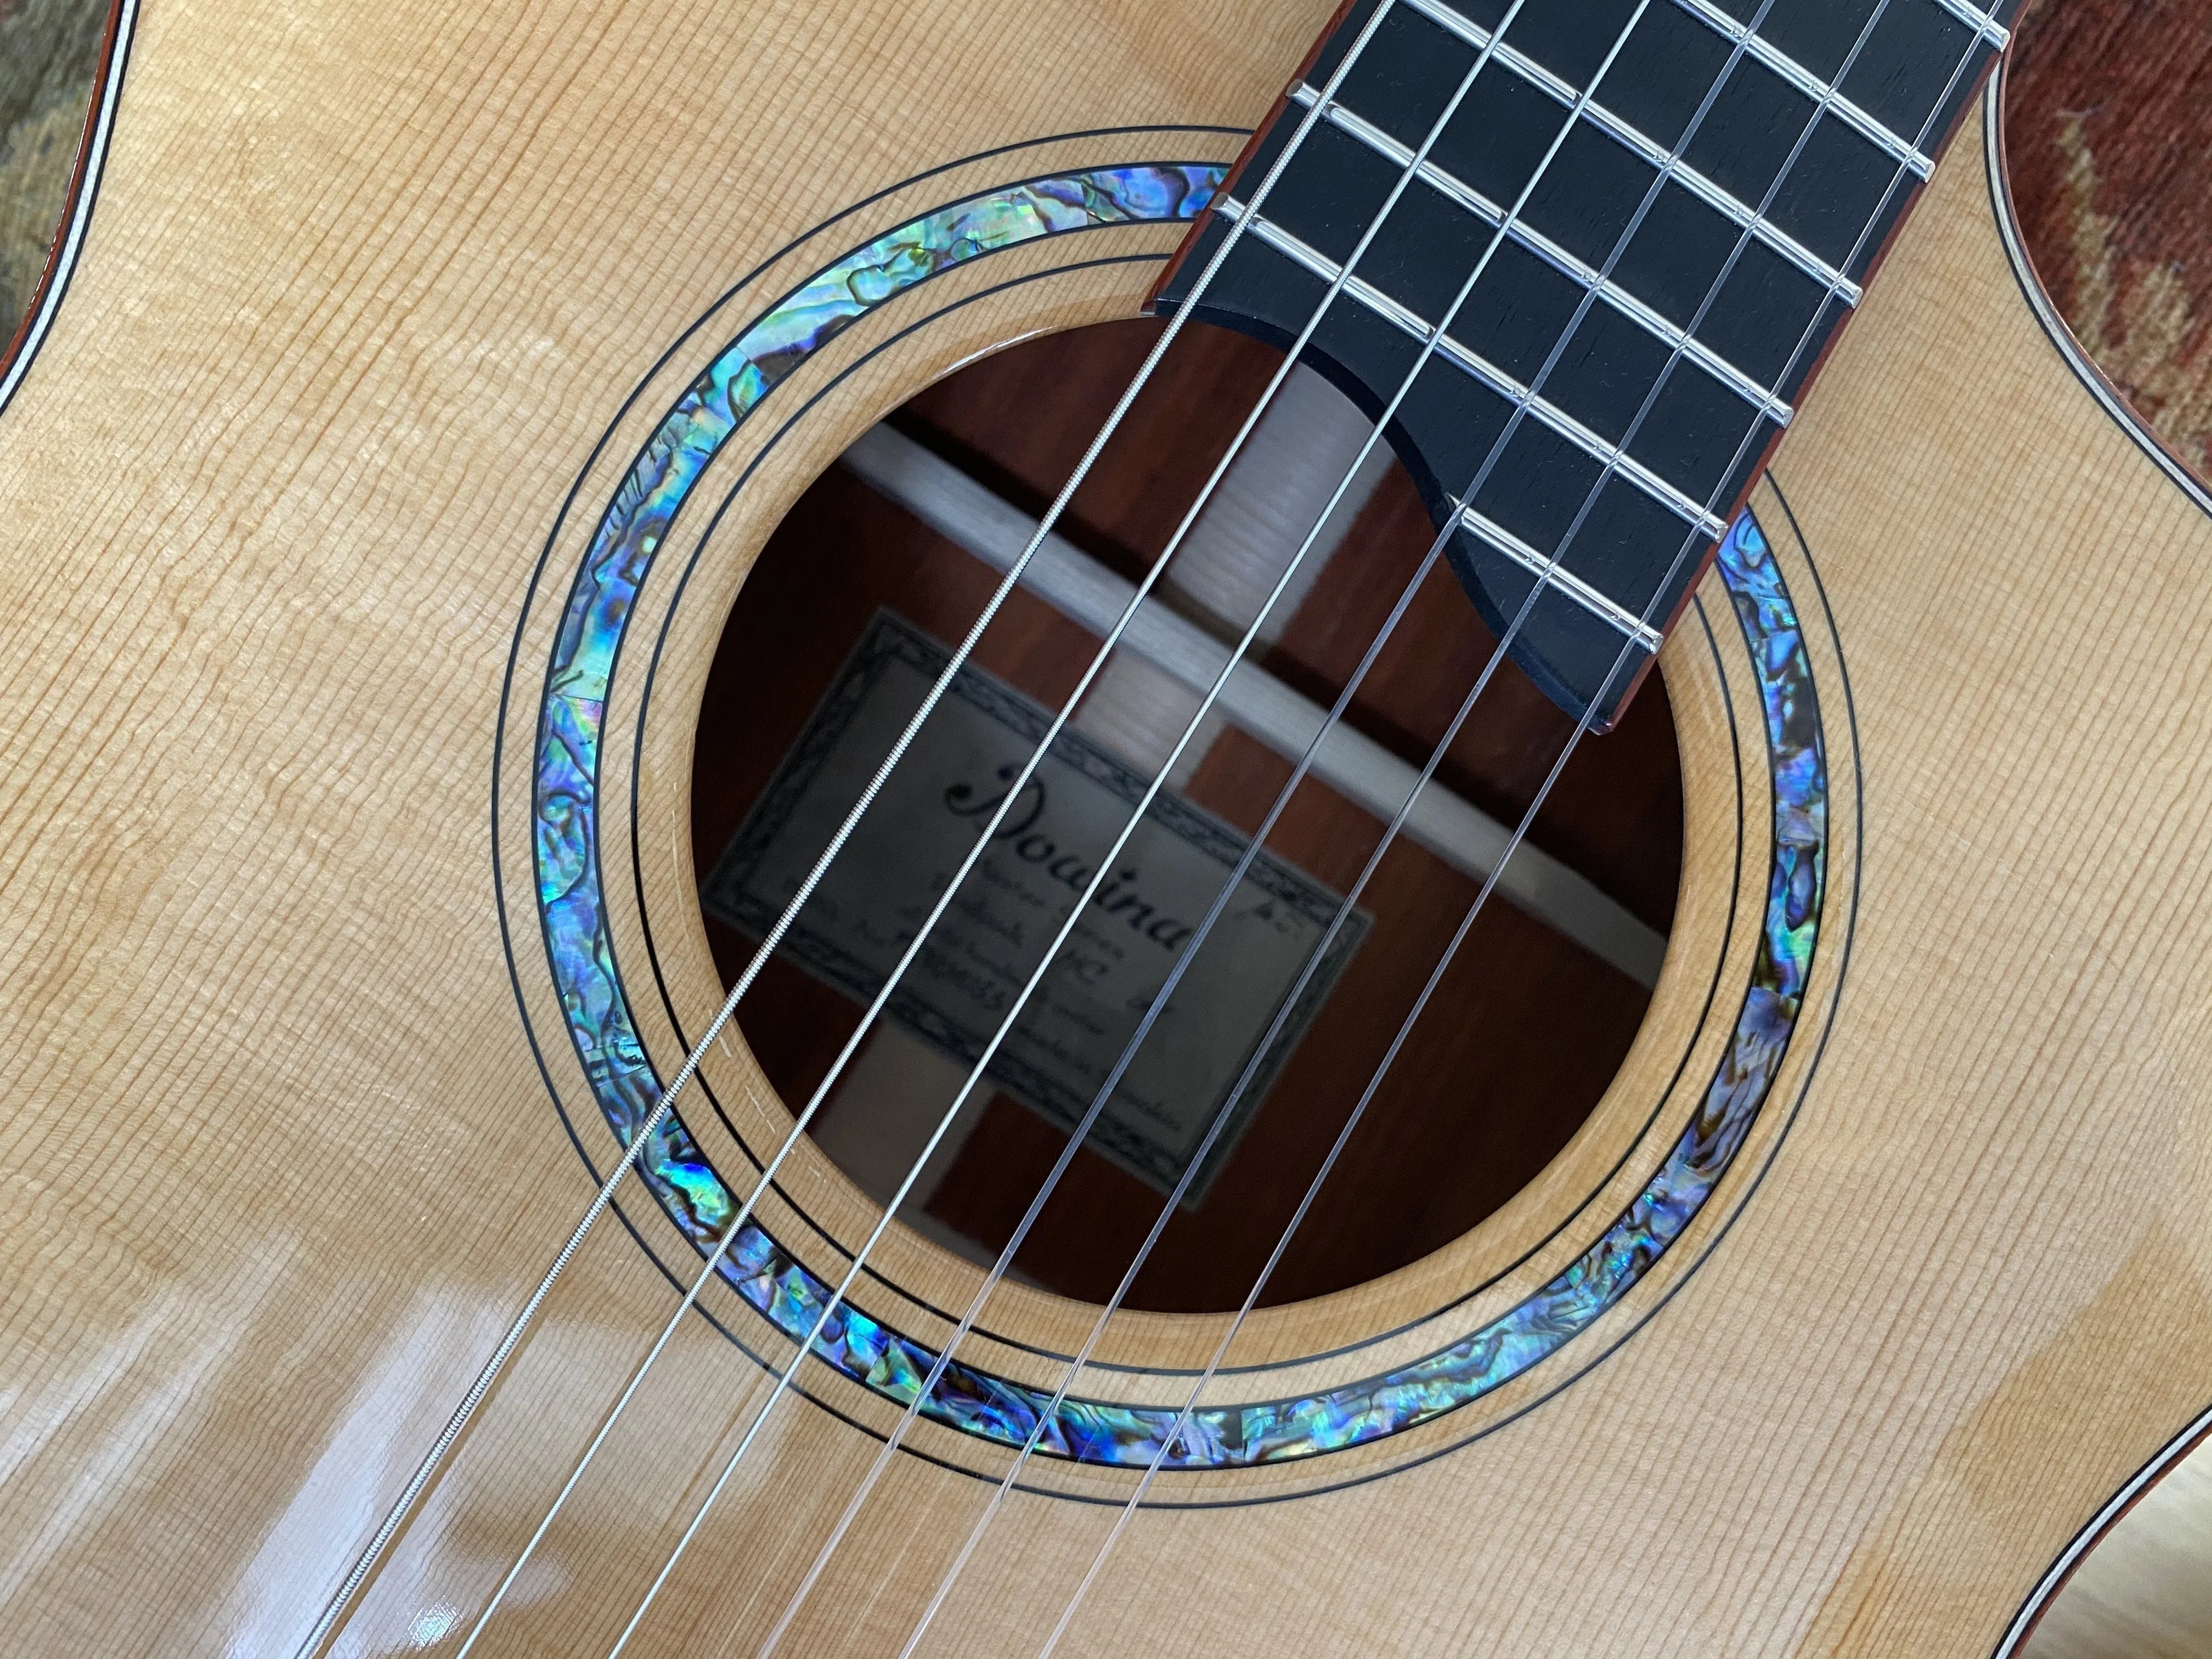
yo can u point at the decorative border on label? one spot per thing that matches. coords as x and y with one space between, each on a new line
1059 1092
596 1012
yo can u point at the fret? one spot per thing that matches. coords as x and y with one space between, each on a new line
1648 150
1903 74
1985 23
1900 150
1566 264
1993 34
1623 622
1504 384
1641 324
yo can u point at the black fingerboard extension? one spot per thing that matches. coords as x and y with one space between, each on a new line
1633 234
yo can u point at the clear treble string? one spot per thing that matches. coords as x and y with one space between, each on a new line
1030 1445
1105 863
1187 955
365 1564
911 953
1189 951
1174 1433
1128 1510
1314 957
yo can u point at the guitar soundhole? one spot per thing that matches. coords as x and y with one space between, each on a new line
880 572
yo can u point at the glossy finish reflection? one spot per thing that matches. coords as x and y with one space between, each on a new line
625 1084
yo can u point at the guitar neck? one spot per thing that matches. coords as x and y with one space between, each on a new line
1607 325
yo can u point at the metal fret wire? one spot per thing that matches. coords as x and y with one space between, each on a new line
1489 374
1636 142
334 1610
1985 25
1136 1498
1552 254
1290 1000
1829 95
836 1299
1753 221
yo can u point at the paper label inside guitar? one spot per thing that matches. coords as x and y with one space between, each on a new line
1083 1012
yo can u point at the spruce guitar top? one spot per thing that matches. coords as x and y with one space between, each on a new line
1087 827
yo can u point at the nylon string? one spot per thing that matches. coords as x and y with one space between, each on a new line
784 921
1434 335
1073 920
1129 1508
1315 955
1188 955
335 1610
938 1367
912 952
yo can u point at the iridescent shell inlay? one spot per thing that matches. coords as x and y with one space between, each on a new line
625 1084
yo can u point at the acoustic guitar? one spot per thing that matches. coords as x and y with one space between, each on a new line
1453 904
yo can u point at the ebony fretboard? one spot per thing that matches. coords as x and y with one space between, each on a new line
1654 308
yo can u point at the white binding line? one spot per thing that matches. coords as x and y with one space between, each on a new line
1540 565
72 241
2070 348
2092 1535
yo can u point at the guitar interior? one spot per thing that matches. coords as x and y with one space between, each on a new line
849 611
